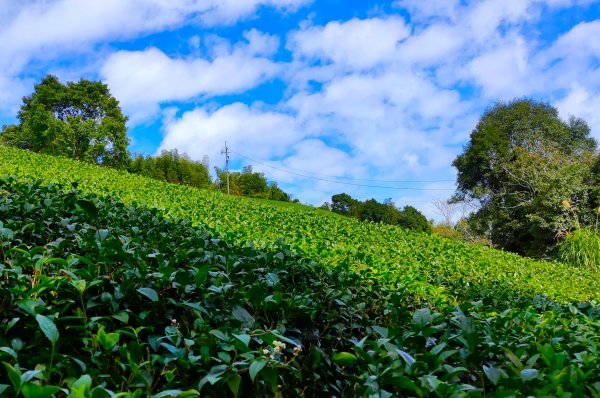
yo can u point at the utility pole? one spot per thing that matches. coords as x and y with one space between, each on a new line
226 153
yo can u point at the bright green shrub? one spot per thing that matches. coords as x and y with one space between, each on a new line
103 299
582 248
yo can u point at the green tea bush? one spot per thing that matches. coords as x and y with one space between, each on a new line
441 270
103 299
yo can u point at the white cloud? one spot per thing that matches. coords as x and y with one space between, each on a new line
142 80
434 44
485 17
260 43
394 125
576 47
315 158
251 130
217 12
11 92
41 31
69 23
356 43
579 102
425 11
502 72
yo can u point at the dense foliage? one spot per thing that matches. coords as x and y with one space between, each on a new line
101 297
173 167
250 184
521 163
372 210
79 120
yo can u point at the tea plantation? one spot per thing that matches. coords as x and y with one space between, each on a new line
117 285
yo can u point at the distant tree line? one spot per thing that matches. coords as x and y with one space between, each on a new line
83 121
173 167
372 210
250 183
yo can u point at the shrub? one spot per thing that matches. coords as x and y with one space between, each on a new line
581 247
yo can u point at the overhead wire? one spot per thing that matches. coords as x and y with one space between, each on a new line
363 197
346 178
348 183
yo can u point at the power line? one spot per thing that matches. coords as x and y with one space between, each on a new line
361 197
341 182
337 177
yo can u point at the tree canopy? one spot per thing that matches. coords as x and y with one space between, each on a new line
250 183
374 211
172 166
80 120
523 164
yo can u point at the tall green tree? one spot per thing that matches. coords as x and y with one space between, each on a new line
79 120
344 204
276 193
521 163
253 184
412 218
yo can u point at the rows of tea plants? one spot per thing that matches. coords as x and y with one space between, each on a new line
99 298
442 271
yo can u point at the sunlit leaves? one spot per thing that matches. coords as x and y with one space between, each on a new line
139 303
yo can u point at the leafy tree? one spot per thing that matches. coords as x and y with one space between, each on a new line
276 193
79 120
371 210
344 204
234 181
521 163
595 194
253 184
412 218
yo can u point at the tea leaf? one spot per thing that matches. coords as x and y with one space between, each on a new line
48 328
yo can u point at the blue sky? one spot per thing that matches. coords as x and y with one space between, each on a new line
372 98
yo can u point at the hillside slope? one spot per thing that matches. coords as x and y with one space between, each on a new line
101 299
442 271
101 296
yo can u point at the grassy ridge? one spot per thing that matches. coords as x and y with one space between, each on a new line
441 267
441 270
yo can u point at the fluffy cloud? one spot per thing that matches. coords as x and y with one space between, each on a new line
142 80
433 45
11 90
582 103
34 31
252 130
69 23
421 11
394 120
502 72
355 43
